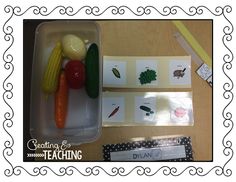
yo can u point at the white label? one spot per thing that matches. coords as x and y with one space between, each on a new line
151 154
204 71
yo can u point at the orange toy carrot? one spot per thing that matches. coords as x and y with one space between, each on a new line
61 101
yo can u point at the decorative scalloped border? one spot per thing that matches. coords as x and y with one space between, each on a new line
121 171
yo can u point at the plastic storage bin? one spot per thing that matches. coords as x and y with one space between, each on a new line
83 122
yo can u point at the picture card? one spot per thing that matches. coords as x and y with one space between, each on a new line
143 66
113 109
115 72
145 109
180 72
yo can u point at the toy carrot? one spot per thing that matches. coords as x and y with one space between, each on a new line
61 101
114 112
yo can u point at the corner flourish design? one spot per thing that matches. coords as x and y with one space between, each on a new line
43 11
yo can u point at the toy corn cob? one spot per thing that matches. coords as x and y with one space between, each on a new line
52 71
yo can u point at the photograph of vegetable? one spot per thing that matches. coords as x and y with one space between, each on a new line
114 112
148 110
147 76
116 72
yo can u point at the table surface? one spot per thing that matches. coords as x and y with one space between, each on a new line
155 38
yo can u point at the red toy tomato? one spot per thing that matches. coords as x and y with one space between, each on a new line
75 74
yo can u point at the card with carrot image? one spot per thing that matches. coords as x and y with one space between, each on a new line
113 109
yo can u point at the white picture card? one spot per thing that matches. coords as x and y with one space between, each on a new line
144 65
180 72
114 72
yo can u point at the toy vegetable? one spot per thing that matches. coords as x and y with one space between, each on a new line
75 74
73 47
61 101
52 71
92 71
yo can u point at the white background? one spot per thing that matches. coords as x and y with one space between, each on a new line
17 101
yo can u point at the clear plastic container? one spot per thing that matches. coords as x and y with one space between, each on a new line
83 122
